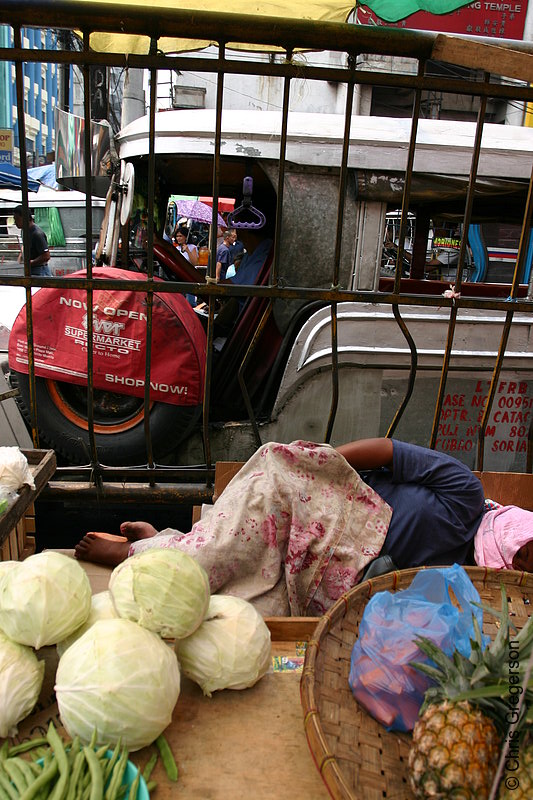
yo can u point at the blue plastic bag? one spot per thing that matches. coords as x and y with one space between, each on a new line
381 677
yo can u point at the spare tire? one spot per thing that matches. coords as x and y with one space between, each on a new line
177 371
118 422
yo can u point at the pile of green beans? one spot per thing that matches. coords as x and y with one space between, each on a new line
64 772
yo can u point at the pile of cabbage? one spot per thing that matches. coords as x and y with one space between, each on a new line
120 651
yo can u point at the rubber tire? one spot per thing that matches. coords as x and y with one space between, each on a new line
169 425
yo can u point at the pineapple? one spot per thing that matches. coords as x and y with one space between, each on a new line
464 719
455 752
520 787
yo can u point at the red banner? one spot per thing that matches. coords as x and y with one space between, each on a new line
119 341
482 18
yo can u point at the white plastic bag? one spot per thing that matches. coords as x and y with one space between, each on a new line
14 472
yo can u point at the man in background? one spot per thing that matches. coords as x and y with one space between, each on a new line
39 252
225 254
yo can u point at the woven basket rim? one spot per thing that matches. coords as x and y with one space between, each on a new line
325 760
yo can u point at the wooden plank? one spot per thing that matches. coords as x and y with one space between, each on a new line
508 488
291 629
488 57
224 472
213 738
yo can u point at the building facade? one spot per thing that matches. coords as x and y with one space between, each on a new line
43 86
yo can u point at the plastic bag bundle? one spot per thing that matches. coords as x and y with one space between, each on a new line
14 472
439 605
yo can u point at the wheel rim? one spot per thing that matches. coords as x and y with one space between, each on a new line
71 401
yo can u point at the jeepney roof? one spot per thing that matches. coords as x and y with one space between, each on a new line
376 143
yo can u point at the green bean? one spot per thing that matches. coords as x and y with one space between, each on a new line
75 775
23 747
97 782
151 785
85 795
4 751
167 758
117 775
44 778
112 760
25 768
56 743
41 752
150 764
134 788
15 774
73 750
6 784
3 794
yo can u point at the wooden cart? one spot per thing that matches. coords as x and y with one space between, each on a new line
17 523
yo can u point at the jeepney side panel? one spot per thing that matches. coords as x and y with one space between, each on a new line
374 361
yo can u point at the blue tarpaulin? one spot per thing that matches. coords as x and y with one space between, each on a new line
45 175
10 179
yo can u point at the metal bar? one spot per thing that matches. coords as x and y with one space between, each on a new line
152 493
520 261
206 26
90 296
289 293
283 69
150 262
281 174
21 124
471 190
407 183
457 288
211 278
412 371
240 373
343 177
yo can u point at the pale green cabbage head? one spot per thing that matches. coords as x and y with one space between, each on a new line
21 678
102 607
43 599
163 590
118 679
6 566
231 648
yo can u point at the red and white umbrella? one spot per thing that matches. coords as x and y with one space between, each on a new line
224 203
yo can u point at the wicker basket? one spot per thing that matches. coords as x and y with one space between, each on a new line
356 757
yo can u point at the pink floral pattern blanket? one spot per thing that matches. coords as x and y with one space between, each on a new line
292 531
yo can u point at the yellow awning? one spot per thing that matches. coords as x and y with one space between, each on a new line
317 10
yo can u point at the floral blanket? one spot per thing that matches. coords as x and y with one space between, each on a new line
291 532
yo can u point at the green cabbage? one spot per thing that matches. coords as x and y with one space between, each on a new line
21 678
118 679
163 590
43 599
231 648
102 607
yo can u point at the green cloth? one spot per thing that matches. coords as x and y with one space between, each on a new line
394 10
49 220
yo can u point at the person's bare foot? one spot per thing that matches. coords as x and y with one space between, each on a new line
133 531
98 550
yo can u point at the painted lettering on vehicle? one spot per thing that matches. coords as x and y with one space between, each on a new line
101 340
157 387
107 310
